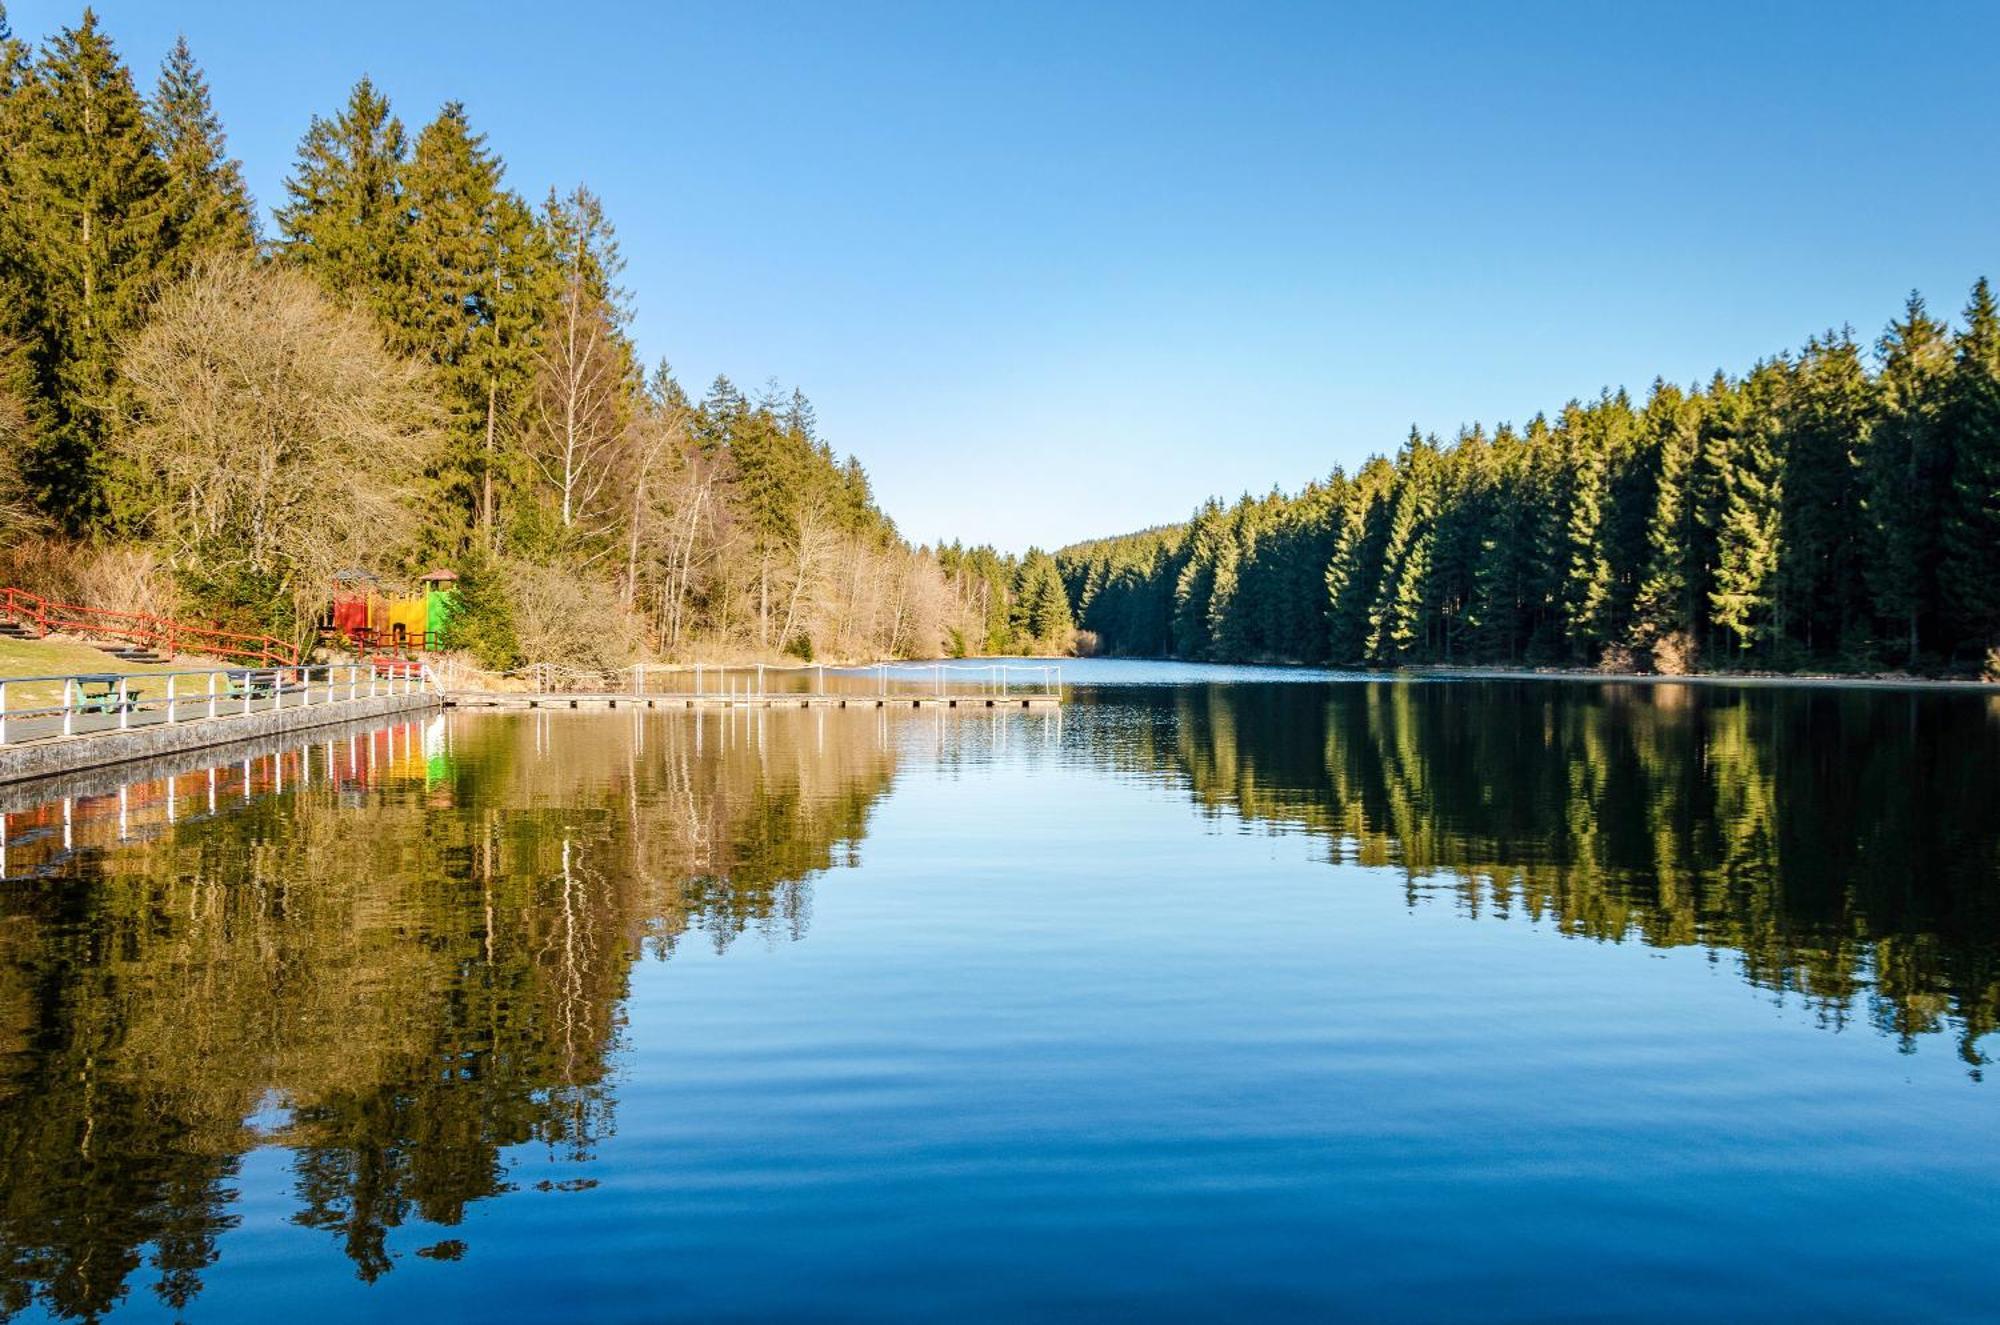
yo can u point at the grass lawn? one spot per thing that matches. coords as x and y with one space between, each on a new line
63 655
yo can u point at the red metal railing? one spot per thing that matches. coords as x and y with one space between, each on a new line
143 629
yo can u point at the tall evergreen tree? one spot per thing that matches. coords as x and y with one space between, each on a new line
1826 424
88 191
344 220
1745 599
1666 602
208 207
1971 524
1907 476
478 284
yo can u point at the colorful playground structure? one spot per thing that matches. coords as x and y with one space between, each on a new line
368 619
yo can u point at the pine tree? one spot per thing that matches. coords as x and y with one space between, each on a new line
1355 569
1825 436
208 207
1195 584
19 381
1396 619
1671 430
345 221
1584 576
1745 599
1906 479
1971 531
89 194
471 300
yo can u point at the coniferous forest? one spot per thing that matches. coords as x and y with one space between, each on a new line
418 365
1837 508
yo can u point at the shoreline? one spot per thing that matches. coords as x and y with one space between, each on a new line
1816 680
1447 672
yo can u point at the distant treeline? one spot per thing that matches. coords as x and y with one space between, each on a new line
419 367
1826 509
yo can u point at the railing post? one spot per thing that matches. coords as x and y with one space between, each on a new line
249 684
3 723
371 680
171 678
69 710
211 693
760 680
353 681
124 706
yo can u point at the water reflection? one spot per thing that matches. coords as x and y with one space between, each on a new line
403 954
1842 846
392 952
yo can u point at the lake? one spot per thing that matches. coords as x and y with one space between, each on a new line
1221 992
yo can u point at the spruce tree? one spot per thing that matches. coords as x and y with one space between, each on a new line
1971 533
208 207
474 291
1584 576
344 221
1906 478
1825 435
1745 600
1670 427
89 194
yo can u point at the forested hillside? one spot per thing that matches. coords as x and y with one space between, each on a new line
1830 508
419 365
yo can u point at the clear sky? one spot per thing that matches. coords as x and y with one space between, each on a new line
1064 270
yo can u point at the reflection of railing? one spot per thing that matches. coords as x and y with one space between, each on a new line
110 808
763 680
882 679
118 702
141 628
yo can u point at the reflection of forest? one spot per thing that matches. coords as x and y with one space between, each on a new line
1846 844
408 958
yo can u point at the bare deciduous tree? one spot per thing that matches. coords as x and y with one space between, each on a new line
577 421
253 399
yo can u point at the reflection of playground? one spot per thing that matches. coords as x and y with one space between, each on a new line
398 953
41 825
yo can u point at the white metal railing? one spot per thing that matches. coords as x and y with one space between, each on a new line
169 698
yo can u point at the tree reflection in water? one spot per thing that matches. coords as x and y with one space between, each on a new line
393 955
401 954
1842 844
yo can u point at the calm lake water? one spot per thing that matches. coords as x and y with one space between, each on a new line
1223 992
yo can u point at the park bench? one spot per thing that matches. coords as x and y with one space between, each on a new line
249 684
99 694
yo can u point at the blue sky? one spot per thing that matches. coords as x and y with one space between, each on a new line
1064 270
